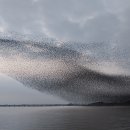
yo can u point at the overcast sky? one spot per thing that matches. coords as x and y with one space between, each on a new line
94 20
106 21
13 92
85 20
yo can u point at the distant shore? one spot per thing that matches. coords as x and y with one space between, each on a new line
32 105
70 104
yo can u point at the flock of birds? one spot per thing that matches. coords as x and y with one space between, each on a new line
60 71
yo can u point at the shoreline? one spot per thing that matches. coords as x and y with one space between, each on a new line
64 105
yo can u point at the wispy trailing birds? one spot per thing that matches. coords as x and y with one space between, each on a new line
61 71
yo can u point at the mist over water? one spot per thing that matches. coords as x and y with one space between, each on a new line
58 69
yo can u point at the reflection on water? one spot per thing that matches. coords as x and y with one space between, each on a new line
65 118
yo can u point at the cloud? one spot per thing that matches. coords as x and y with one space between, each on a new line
73 20
68 20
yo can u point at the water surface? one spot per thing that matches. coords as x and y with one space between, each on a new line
65 118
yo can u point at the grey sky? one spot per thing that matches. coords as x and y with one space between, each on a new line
67 20
106 21
84 20
13 92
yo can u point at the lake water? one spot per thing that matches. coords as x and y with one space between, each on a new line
65 118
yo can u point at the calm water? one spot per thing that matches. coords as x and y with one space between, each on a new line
65 118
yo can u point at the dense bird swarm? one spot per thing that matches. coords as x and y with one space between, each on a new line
60 71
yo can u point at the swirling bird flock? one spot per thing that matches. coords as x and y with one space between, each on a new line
61 71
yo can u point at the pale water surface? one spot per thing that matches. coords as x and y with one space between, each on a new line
65 118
